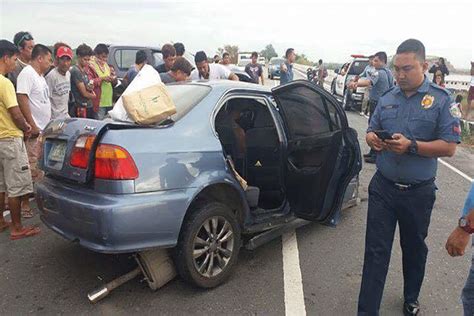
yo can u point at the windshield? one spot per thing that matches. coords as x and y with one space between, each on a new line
358 67
277 61
186 97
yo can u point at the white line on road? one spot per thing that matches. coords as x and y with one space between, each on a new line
459 172
293 284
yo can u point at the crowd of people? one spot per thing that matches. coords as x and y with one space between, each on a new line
34 90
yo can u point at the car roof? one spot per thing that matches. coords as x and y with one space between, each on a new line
227 85
135 47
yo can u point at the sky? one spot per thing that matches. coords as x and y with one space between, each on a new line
330 30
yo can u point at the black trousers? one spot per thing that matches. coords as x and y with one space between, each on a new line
411 209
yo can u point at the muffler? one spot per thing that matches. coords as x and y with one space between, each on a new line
156 266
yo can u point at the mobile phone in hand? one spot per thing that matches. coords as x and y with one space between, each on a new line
383 134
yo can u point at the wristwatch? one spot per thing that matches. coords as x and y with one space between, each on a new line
413 148
464 224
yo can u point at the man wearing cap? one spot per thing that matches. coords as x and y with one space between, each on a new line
59 82
25 43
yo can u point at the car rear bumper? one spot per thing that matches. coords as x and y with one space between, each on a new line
112 223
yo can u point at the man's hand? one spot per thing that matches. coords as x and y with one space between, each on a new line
457 242
399 144
352 85
27 132
35 131
374 142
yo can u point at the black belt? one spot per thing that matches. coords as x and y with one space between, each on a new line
406 186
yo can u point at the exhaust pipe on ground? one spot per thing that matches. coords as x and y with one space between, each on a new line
156 265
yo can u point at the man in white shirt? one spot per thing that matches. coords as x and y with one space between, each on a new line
210 71
59 82
33 98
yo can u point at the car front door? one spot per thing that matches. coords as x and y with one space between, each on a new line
323 153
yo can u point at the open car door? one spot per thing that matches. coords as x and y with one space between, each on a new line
323 153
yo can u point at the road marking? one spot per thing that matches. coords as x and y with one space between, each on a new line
459 172
293 284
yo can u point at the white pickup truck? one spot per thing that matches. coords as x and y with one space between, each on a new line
350 99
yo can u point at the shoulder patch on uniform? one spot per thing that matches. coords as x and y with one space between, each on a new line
427 101
455 110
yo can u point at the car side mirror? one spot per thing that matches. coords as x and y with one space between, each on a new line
336 71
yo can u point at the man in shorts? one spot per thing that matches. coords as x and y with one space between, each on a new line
15 177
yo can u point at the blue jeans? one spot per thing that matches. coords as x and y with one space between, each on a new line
468 291
411 209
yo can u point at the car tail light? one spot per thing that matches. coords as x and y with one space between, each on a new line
114 163
81 151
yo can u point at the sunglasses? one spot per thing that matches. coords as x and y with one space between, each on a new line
25 37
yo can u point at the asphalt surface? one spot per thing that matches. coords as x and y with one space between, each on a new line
49 275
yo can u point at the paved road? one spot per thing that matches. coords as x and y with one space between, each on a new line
48 275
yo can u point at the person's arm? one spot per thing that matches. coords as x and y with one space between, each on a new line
19 119
432 69
459 239
83 90
261 76
25 110
371 138
433 149
233 76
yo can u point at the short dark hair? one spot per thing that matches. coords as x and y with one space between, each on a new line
40 50
441 59
200 57
225 54
7 48
320 61
179 47
254 54
20 37
459 98
140 57
289 51
57 46
83 50
101 49
182 64
413 46
382 56
168 50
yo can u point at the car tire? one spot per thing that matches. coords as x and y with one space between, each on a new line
212 233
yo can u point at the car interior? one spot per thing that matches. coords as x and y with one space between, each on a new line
249 137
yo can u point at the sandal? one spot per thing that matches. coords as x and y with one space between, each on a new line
27 213
25 232
4 226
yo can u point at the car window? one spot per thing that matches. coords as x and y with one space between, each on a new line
186 97
125 58
308 113
358 67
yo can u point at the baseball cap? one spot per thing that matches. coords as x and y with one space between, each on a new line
64 51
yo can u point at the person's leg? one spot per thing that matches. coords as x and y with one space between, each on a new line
381 223
467 296
3 223
414 215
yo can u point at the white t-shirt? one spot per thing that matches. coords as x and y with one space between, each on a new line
216 71
59 87
29 82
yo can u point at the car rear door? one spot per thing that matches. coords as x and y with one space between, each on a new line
323 153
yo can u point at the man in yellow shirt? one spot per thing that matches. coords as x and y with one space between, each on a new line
15 176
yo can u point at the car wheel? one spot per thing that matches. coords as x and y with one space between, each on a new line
208 245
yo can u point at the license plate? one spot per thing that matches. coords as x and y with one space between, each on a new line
57 152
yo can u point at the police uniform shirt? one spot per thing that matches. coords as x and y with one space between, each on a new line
381 80
430 114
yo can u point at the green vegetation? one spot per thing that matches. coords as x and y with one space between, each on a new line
269 52
233 51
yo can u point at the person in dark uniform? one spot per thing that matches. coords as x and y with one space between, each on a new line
379 81
418 116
